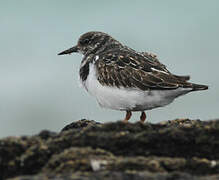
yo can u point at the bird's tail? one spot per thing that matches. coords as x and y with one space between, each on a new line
183 78
199 87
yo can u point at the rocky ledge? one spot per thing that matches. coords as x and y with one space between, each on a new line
177 149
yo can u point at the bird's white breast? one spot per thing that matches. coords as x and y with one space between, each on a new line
128 98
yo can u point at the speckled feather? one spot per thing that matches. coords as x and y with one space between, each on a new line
125 68
120 66
123 79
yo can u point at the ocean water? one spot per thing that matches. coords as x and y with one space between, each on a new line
40 90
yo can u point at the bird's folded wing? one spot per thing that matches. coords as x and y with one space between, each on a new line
153 57
125 69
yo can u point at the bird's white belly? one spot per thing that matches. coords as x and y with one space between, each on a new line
128 98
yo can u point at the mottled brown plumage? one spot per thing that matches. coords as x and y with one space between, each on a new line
123 79
124 68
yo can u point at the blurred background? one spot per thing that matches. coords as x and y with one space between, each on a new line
40 90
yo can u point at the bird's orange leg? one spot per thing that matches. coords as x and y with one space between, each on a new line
142 117
127 117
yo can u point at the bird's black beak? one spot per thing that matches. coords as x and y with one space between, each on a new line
69 51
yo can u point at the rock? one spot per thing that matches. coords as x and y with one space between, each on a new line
80 124
109 175
177 149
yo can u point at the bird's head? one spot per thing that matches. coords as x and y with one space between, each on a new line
91 42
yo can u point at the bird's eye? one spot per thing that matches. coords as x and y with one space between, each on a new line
85 41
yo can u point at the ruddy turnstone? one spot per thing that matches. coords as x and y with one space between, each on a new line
121 78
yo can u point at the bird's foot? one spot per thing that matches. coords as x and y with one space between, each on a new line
142 117
127 117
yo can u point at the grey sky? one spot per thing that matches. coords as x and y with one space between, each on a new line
39 90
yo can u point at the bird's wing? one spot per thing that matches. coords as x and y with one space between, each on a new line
130 69
153 57
183 78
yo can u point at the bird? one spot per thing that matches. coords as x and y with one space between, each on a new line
123 79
